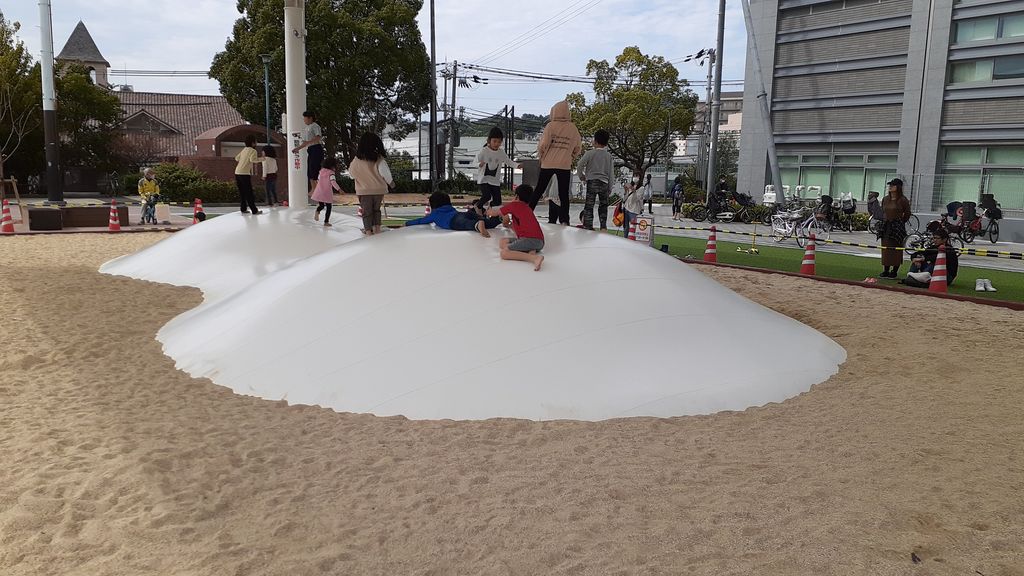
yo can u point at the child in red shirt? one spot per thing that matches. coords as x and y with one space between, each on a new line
529 237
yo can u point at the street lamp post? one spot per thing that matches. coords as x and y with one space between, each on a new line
266 91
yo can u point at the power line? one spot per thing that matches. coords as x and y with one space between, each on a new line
527 33
540 33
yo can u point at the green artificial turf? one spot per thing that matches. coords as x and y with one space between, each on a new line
1010 285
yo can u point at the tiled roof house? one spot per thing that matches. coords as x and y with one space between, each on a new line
168 123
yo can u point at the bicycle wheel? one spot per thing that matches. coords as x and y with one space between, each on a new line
914 224
968 236
873 225
699 214
745 216
993 231
766 218
956 243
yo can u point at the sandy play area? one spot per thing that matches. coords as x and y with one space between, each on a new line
909 461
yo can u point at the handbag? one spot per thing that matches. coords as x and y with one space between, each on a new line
617 216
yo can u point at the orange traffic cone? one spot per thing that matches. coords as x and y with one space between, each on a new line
6 223
115 221
632 230
711 252
938 282
197 207
807 266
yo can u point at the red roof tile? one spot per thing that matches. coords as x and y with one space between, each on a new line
189 114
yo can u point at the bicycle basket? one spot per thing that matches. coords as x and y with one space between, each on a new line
993 213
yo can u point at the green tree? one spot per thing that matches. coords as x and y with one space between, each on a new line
87 116
21 140
727 156
366 65
641 102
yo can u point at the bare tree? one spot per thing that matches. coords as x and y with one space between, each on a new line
18 124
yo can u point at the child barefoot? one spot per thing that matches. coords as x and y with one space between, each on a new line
529 236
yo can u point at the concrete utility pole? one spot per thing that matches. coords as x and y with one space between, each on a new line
766 112
54 181
295 98
716 106
453 127
433 104
705 129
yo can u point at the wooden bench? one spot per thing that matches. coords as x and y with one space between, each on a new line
92 216
45 219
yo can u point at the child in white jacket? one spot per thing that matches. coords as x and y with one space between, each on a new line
490 159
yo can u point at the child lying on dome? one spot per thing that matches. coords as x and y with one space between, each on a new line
444 215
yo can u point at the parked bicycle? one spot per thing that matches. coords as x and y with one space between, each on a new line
963 220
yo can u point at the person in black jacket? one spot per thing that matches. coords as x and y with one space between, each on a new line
922 264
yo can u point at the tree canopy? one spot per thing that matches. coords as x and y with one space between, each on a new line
21 140
641 101
366 66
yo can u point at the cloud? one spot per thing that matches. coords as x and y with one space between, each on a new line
162 35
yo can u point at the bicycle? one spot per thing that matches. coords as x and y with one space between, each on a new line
784 224
812 225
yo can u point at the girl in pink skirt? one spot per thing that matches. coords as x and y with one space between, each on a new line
323 193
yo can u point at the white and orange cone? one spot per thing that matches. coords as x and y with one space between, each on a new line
711 252
114 225
7 223
938 282
632 230
807 265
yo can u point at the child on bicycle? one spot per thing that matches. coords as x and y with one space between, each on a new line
149 191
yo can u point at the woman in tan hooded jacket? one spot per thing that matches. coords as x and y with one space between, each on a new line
558 148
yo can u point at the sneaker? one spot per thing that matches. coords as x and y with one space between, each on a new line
979 285
989 287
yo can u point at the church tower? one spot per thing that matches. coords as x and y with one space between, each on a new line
81 49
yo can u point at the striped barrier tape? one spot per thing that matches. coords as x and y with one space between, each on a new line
107 204
961 251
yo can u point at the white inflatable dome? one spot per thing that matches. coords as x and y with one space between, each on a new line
431 324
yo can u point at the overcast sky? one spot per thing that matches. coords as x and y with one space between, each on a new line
184 35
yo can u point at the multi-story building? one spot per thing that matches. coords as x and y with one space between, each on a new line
865 90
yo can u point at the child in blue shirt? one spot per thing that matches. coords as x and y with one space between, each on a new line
444 215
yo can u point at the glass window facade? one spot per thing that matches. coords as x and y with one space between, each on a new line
847 173
968 171
977 29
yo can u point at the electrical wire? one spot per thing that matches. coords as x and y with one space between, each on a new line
487 57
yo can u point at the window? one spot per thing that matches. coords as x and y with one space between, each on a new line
848 159
827 7
815 177
1006 67
1013 26
974 71
963 155
1005 156
789 159
977 29
958 186
848 180
815 160
874 180
882 159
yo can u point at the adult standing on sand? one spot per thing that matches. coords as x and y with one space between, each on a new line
559 146
312 141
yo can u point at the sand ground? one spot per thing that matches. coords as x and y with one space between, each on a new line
114 463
